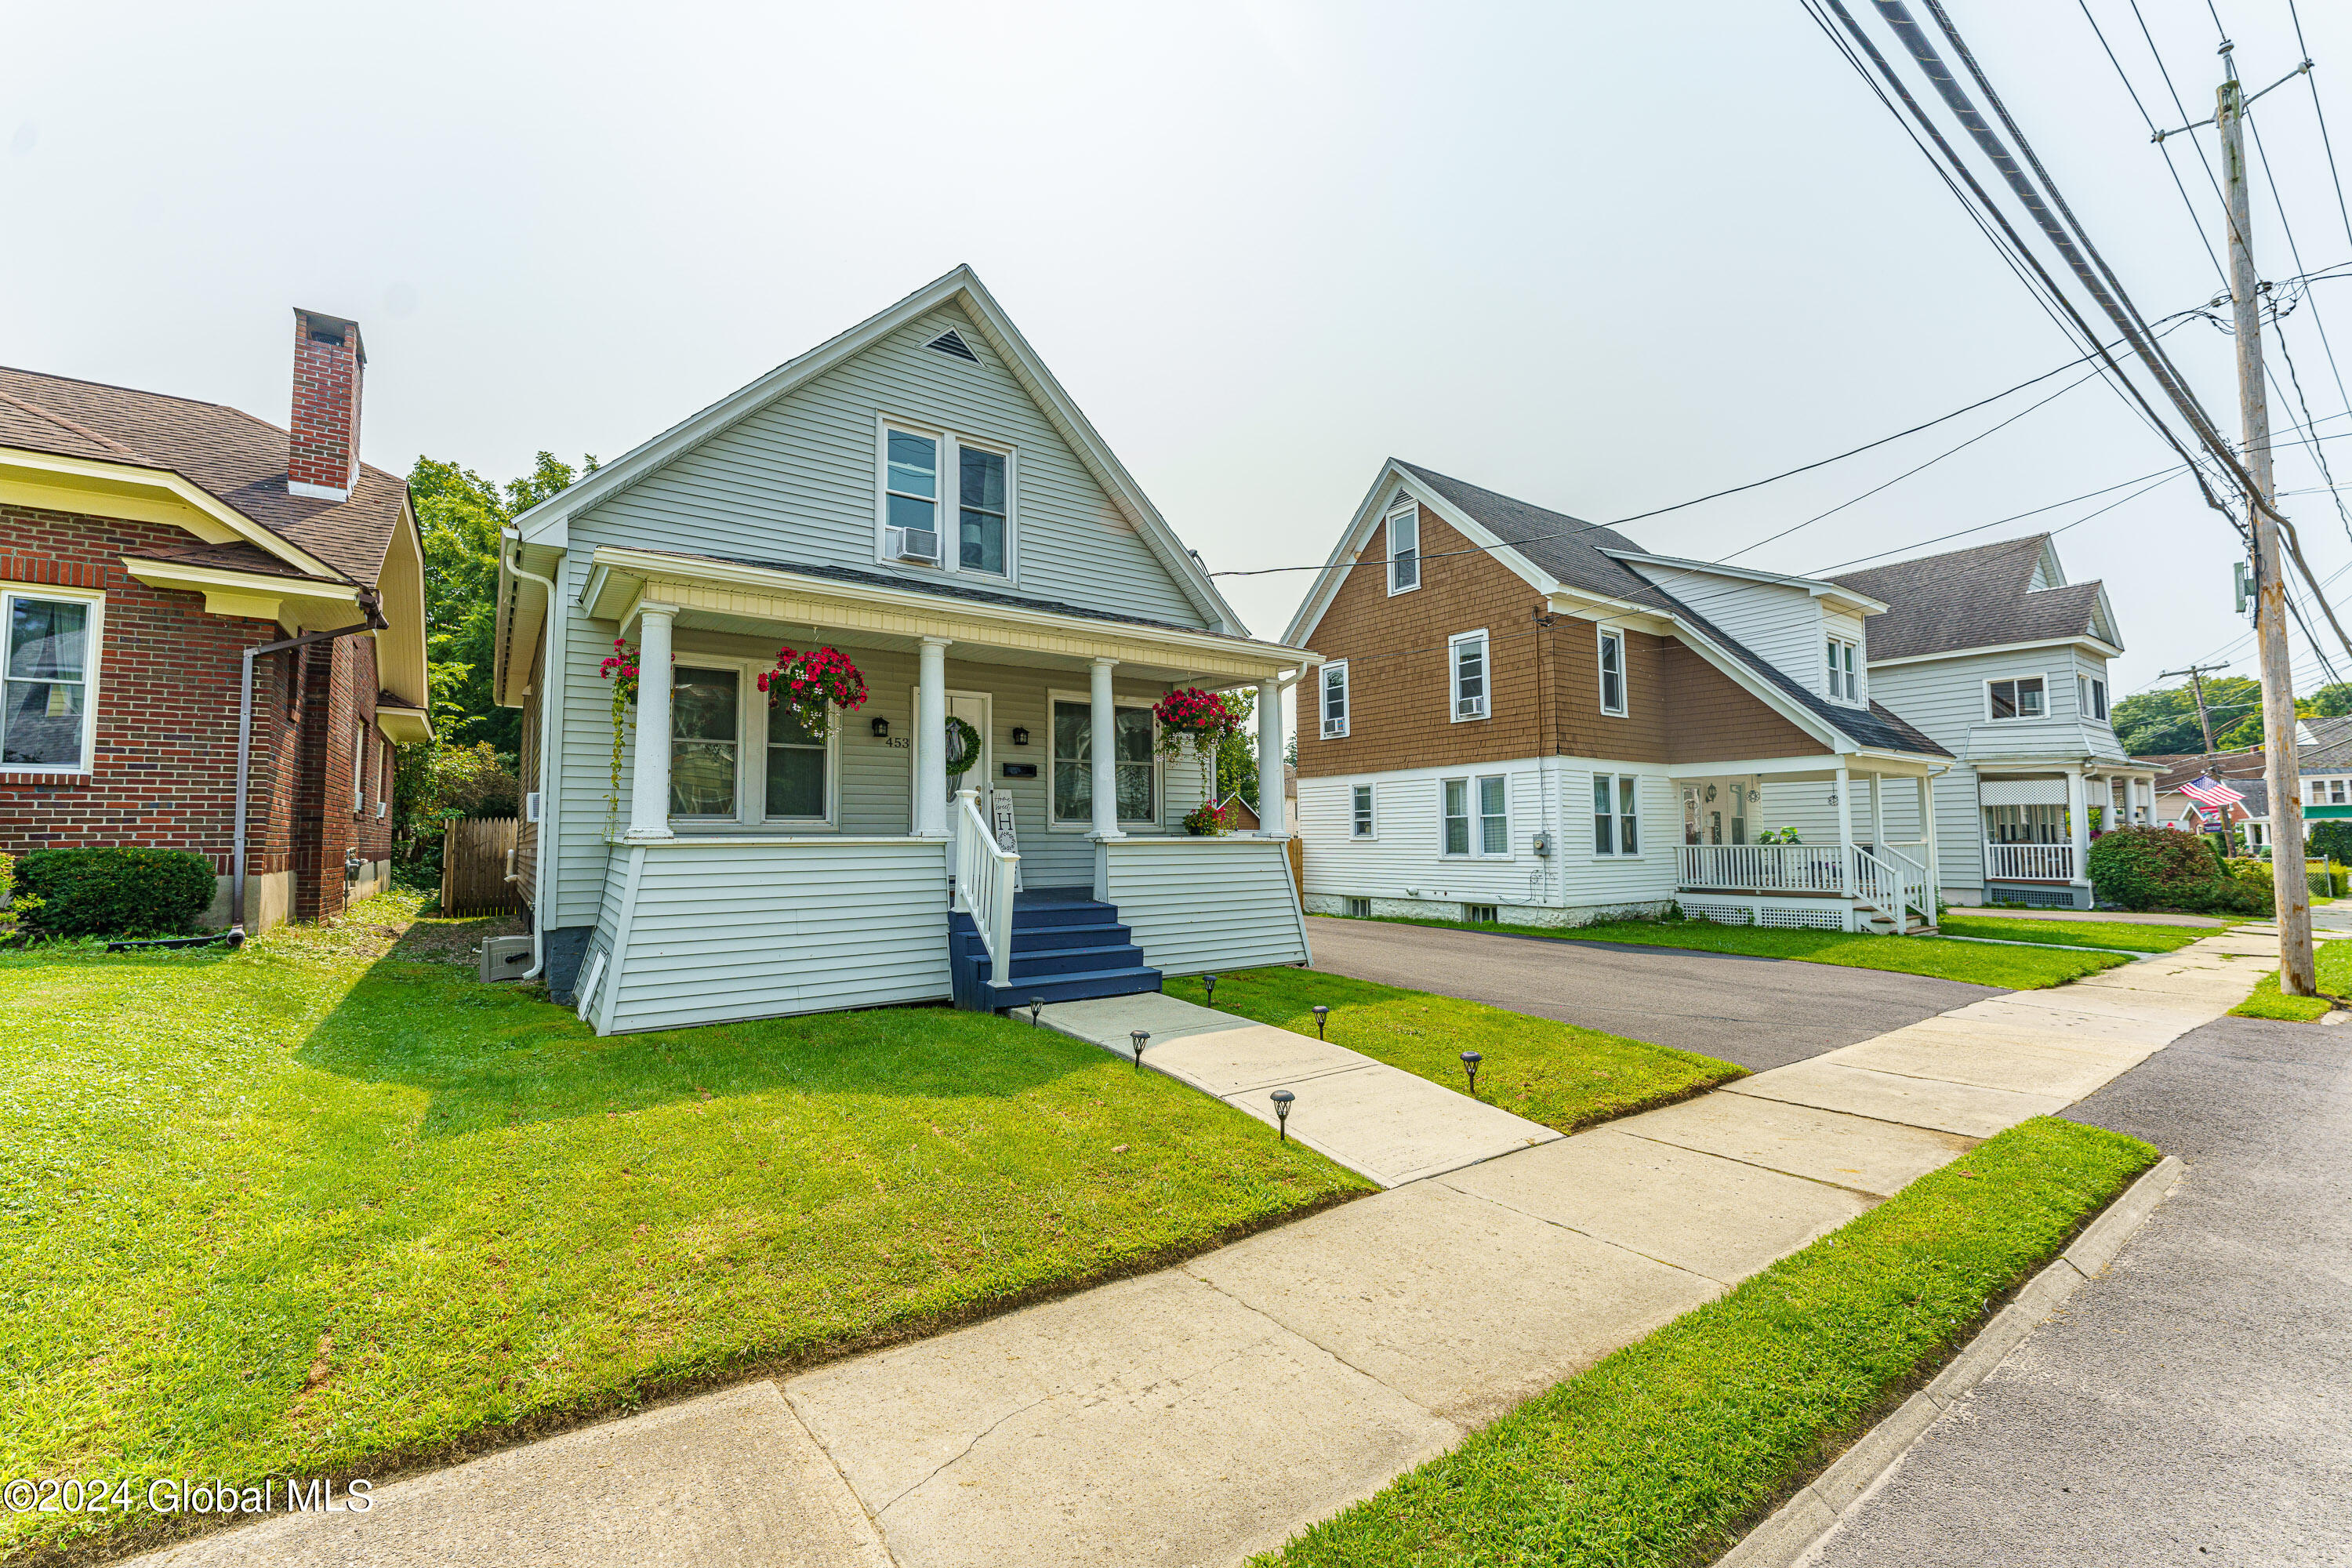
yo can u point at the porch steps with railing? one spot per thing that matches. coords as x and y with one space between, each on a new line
1065 949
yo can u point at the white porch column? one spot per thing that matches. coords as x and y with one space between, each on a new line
931 740
1271 820
1106 752
649 780
2077 823
1927 831
1877 816
1843 786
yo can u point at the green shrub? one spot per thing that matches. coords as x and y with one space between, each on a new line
15 904
125 891
2331 838
2163 868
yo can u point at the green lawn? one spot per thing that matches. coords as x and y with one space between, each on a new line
2013 969
2124 936
1667 1451
2333 962
1549 1072
312 1209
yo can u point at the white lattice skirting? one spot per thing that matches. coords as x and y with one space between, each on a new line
1815 914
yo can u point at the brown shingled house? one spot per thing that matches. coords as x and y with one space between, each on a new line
147 543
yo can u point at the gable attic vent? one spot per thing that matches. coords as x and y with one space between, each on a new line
951 343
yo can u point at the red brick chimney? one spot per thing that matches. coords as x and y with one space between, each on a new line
322 458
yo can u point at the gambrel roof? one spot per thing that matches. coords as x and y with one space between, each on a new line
1989 596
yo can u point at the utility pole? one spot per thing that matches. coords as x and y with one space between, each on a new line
2196 674
2280 772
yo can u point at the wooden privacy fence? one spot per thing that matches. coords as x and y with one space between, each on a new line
475 855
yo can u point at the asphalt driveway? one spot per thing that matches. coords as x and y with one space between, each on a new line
1758 1012
2194 1404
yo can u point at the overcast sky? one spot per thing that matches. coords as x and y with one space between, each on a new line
1605 258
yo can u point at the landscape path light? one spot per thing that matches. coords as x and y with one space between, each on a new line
1209 983
1282 1098
1470 1060
1036 1005
1140 1038
1321 1013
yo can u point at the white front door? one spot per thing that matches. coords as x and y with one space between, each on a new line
975 709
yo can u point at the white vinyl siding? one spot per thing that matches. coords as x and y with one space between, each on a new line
1404 548
1611 662
1469 684
1193 904
1335 700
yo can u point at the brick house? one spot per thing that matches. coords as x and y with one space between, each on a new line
1524 716
146 543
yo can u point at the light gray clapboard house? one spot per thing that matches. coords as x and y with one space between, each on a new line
2001 660
921 494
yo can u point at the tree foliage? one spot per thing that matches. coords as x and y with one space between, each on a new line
1237 752
2152 722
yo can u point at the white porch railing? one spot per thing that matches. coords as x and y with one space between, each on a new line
1891 881
2030 862
1763 868
985 875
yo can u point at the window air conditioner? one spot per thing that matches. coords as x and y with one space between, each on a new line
913 544
1470 708
1334 728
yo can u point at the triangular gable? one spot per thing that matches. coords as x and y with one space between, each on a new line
961 289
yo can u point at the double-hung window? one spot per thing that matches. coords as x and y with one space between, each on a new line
359 769
1845 670
1335 700
729 762
796 769
914 532
1135 774
2020 698
704 710
911 486
1360 824
2099 700
1404 548
49 665
1475 813
1616 813
1613 672
980 521
1466 653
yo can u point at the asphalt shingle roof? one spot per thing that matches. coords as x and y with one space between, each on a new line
1569 549
241 460
1969 598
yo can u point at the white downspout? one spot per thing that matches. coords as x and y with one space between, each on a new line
548 684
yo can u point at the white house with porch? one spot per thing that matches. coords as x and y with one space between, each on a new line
996 822
1993 654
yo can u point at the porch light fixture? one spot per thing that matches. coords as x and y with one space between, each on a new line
1140 1038
1321 1013
881 728
1020 736
1470 1060
1036 1005
1209 983
1282 1098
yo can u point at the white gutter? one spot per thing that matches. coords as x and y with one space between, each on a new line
552 630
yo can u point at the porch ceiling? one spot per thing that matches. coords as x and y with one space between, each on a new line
728 597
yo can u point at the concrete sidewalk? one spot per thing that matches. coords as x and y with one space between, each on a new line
1197 1414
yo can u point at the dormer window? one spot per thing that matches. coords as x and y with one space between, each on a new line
1844 659
1404 548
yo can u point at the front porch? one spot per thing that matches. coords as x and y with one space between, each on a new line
2037 825
1830 872
1003 765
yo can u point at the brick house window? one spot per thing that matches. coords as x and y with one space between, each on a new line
1613 672
359 769
1404 548
51 678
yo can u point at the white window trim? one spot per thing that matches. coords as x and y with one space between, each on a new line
1616 831
752 755
2021 717
1346 701
1159 772
1475 839
91 660
1371 832
1453 675
949 499
1388 545
1832 647
1601 637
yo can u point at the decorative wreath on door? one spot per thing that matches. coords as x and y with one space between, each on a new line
963 746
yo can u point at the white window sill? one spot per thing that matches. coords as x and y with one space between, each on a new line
732 828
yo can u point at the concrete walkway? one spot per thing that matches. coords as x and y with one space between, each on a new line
1210 1410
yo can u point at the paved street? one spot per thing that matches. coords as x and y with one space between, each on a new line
2194 1404
1758 1012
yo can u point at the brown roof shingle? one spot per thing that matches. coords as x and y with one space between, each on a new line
241 460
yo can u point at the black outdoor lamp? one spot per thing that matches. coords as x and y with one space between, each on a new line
1209 983
1282 1098
1020 736
881 728
1140 1038
1321 1013
1036 1005
1470 1060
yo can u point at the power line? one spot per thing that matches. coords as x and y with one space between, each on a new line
2302 49
2158 137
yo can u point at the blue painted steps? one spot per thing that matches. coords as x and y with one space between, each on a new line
1065 947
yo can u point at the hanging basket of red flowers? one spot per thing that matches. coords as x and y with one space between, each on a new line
1189 718
810 685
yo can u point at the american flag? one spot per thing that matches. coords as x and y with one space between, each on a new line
2204 791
